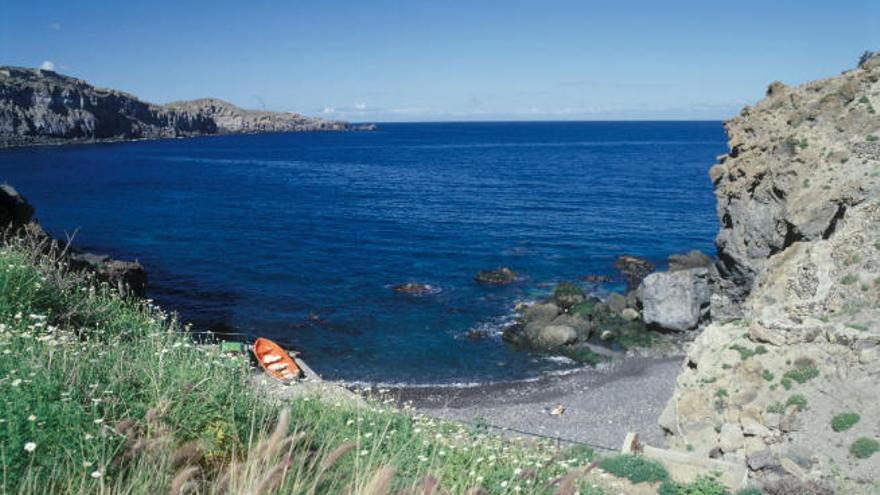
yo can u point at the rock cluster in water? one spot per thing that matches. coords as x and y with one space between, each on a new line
785 377
39 106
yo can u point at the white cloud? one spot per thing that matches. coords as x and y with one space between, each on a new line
55 26
360 106
48 65
328 110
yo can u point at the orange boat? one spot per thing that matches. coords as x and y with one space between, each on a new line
275 360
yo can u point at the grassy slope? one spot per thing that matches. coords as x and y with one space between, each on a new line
99 394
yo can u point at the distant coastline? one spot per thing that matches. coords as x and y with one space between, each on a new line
42 107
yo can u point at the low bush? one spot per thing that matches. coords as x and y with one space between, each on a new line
864 448
635 468
844 421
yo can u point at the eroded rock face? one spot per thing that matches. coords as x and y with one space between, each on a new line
39 106
800 246
798 161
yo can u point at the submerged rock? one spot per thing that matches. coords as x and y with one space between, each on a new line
413 288
498 276
633 269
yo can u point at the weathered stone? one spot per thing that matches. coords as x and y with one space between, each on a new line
541 312
674 300
616 302
751 427
551 336
763 459
731 437
567 295
629 314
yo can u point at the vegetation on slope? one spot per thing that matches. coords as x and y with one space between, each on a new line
102 394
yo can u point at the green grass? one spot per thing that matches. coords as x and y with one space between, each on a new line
635 468
101 394
844 421
864 448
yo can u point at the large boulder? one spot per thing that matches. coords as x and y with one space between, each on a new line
675 300
14 208
550 336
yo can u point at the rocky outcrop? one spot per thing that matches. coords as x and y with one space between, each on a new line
39 106
799 252
15 211
124 276
127 277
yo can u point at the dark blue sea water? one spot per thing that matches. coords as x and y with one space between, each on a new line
260 231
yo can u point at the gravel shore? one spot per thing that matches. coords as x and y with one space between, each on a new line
600 405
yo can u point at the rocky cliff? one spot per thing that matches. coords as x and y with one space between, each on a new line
785 378
39 106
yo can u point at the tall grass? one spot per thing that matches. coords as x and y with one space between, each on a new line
104 394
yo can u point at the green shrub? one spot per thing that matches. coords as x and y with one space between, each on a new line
703 485
744 352
761 349
786 383
749 491
871 138
802 374
798 401
848 279
776 408
864 447
844 421
635 468
767 375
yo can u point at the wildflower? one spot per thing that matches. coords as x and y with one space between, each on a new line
16 382
87 464
368 435
99 421
30 447
364 452
97 474
32 418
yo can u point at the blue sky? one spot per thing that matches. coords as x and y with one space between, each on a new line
413 60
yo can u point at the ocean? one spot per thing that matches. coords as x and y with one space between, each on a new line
300 237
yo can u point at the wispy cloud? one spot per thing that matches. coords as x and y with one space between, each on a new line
48 65
360 106
55 26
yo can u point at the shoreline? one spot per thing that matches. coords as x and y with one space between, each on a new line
601 404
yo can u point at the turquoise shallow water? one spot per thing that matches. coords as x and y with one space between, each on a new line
260 231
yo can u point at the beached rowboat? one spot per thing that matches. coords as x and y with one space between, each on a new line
275 360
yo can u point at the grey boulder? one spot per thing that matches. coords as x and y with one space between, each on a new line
675 300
